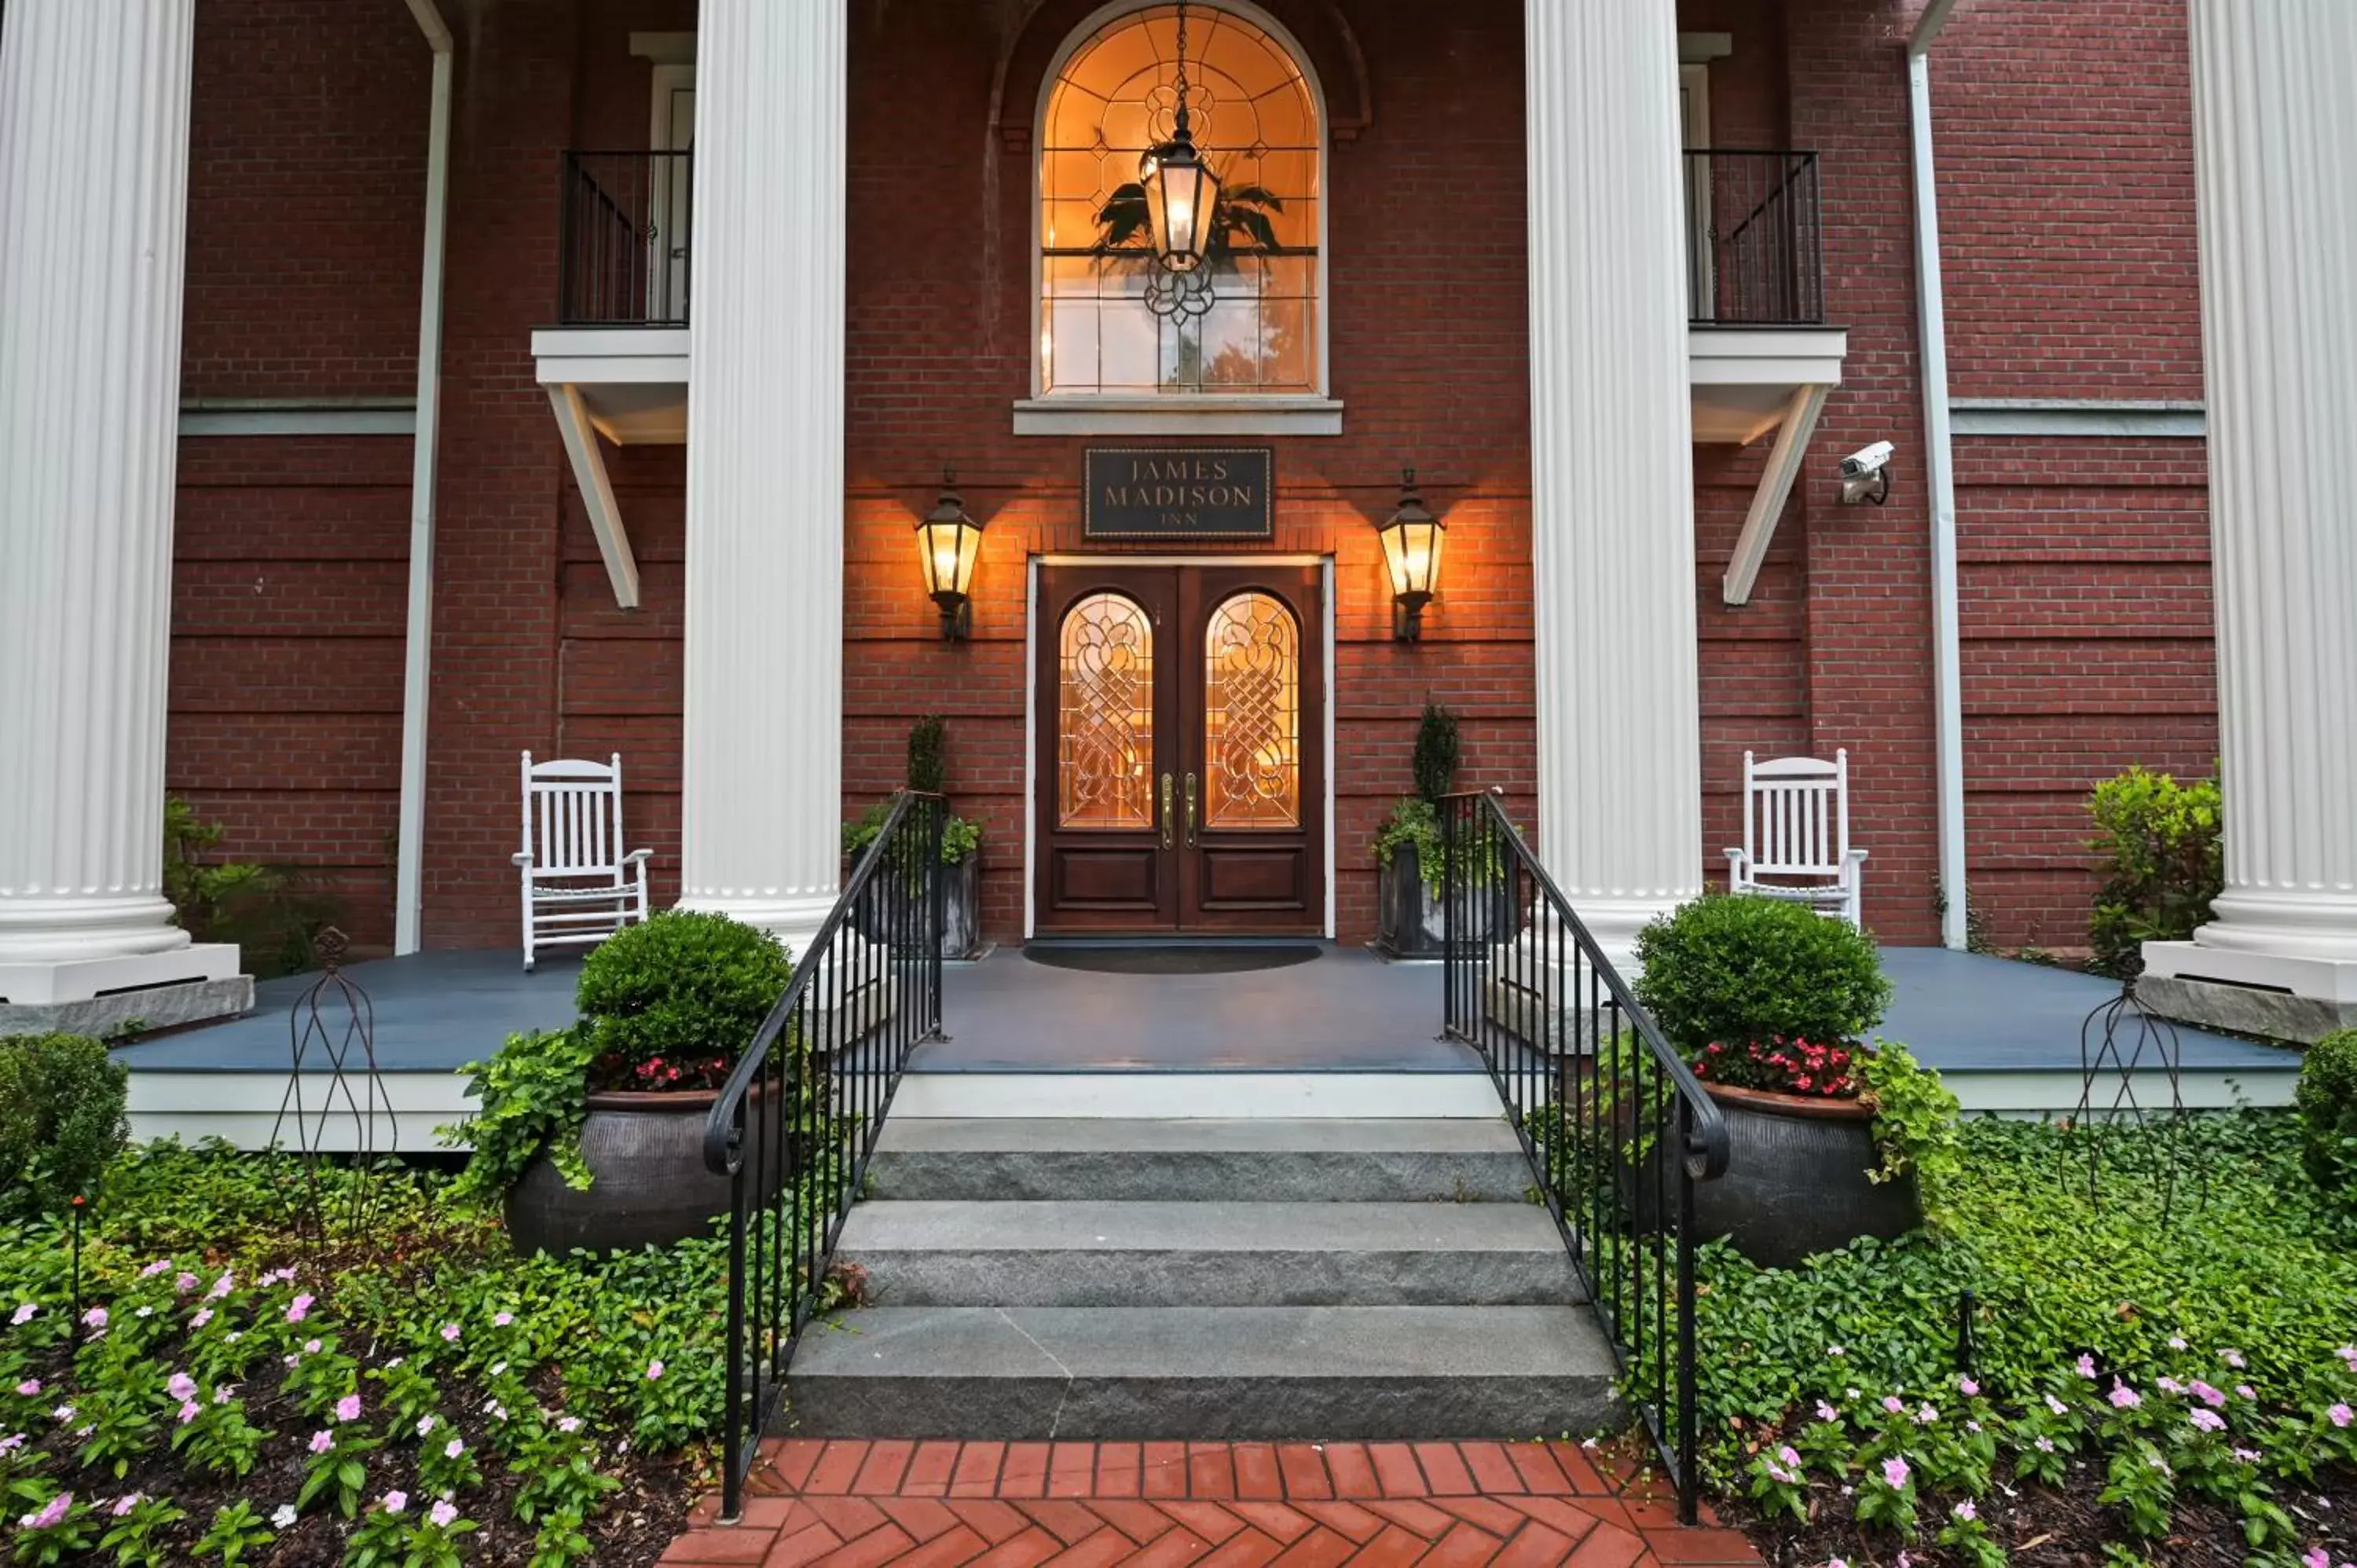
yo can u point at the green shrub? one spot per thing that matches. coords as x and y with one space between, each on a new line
668 1003
64 1120
2164 862
2327 1099
265 911
929 767
959 838
1438 752
1736 969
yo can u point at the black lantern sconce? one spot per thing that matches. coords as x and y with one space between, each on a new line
1182 194
949 542
1412 540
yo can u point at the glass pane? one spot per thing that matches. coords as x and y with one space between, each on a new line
1252 714
1104 701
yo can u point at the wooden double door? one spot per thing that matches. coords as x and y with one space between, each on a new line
1182 772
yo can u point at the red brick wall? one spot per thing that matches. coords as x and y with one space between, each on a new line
2066 188
303 281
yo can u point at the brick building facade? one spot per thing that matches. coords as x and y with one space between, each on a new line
2067 206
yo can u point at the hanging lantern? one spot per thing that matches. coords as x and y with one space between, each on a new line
1182 194
947 543
1412 538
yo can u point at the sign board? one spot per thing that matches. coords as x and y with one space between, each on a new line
1177 492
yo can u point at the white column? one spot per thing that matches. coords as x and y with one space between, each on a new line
2275 181
763 765
94 196
1611 463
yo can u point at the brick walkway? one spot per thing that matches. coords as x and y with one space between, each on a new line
1213 1505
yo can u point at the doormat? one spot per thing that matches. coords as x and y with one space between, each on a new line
1175 958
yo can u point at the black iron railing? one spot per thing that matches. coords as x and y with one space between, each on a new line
1616 1128
1755 240
798 1119
624 227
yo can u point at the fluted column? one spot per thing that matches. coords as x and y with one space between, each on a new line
763 794
2275 182
1611 463
93 194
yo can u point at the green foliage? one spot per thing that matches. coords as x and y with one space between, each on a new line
929 756
2193 1345
236 1531
63 1097
1915 1120
1415 821
532 1097
1438 752
668 1004
959 838
1740 969
2164 862
266 911
1240 223
2327 1099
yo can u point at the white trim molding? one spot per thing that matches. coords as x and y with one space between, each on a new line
1090 414
2134 417
298 417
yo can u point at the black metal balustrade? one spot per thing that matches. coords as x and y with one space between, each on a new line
1616 1127
625 226
1755 240
798 1117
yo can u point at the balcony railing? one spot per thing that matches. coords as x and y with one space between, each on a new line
625 226
1755 240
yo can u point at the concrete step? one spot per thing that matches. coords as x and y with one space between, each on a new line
1133 1094
1281 1160
1210 1254
1306 1373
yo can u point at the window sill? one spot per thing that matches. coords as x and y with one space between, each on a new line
1178 415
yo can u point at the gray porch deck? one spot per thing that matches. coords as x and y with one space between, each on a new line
2006 1035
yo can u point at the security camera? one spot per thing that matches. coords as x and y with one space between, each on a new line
1865 475
1867 461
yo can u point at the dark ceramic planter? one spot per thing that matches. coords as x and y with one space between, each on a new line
648 1185
1796 1179
887 909
1411 923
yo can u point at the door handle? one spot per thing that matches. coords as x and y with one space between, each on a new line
1166 810
1191 810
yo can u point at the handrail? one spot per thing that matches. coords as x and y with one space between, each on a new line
795 1124
625 223
1754 237
1597 1097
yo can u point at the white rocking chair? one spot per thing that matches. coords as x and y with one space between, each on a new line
1796 835
579 887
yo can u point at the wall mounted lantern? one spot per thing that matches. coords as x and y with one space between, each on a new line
1182 194
947 543
1412 541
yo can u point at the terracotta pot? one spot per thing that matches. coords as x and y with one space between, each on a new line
648 1185
1796 1178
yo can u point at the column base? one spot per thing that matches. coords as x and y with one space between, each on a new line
100 996
793 921
2282 998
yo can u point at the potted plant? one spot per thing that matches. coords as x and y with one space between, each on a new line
1411 860
1831 1138
961 842
593 1134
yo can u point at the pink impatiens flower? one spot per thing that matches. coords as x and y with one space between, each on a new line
50 1517
322 1440
450 1334
190 1411
182 1387
184 1282
2339 1415
151 1269
126 1502
2317 1557
394 1501
654 1370
2232 1358
1827 1412
2207 1421
299 1309
2087 1368
94 1318
1894 1404
204 1316
1965 1510
222 1286
25 1312
348 1407
501 1319
453 1448
2208 1395
30 1388
1969 1388
1895 1473
444 1514
2124 1397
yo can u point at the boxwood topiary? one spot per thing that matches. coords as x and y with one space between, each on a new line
670 1004
1739 969
2327 1099
64 1097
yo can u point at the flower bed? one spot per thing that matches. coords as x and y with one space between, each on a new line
215 1390
2159 1371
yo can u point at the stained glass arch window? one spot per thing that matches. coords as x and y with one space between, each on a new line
1104 714
1111 321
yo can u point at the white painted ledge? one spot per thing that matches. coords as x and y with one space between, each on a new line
1186 416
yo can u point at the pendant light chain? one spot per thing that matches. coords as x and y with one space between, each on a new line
1181 85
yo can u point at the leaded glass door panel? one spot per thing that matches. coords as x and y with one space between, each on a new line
1182 772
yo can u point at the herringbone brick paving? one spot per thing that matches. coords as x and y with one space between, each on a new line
847 1504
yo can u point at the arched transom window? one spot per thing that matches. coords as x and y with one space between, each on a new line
1111 319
